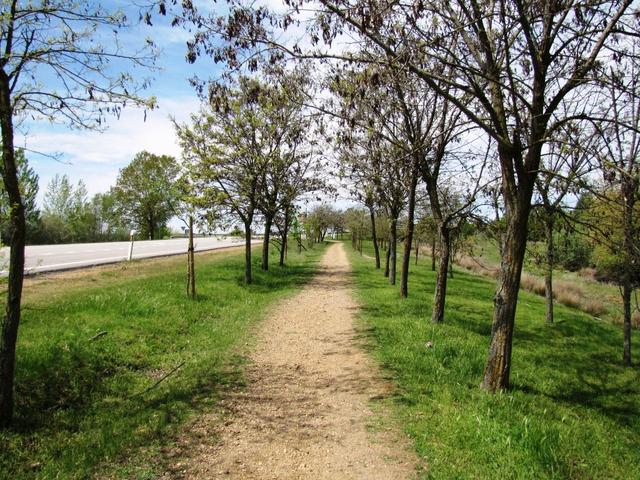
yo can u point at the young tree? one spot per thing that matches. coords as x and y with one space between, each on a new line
145 192
61 61
228 145
375 149
355 220
619 156
565 162
290 163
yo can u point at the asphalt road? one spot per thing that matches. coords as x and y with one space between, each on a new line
44 258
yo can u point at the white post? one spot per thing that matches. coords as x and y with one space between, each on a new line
133 232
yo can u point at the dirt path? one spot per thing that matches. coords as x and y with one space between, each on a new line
305 411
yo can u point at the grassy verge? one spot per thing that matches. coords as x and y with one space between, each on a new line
86 400
573 410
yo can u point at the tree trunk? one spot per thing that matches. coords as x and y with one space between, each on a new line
629 189
408 238
387 261
498 366
285 233
374 236
265 242
417 250
433 254
191 282
451 257
440 294
548 277
150 226
393 248
17 236
247 253
626 300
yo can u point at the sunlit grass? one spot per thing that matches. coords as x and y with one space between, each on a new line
87 402
573 411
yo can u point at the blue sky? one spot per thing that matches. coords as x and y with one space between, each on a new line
96 157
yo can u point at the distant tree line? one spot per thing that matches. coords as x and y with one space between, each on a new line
144 198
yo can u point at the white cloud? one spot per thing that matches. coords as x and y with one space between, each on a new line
123 138
96 157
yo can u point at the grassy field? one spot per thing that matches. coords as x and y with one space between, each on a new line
87 400
573 410
574 289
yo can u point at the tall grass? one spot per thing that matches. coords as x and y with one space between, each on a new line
565 292
573 411
93 348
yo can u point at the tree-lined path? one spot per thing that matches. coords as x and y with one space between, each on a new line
305 410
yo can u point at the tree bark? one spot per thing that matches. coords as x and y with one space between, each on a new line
191 285
17 238
265 243
417 250
285 233
387 260
626 300
498 366
440 294
393 248
374 236
408 239
548 277
433 254
629 188
248 278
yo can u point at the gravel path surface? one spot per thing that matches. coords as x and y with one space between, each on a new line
306 409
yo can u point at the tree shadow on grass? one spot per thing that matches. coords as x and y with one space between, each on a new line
616 399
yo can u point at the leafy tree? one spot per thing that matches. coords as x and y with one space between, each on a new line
320 220
291 167
67 215
145 193
109 225
228 145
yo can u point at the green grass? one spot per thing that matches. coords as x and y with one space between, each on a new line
573 411
84 407
591 291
